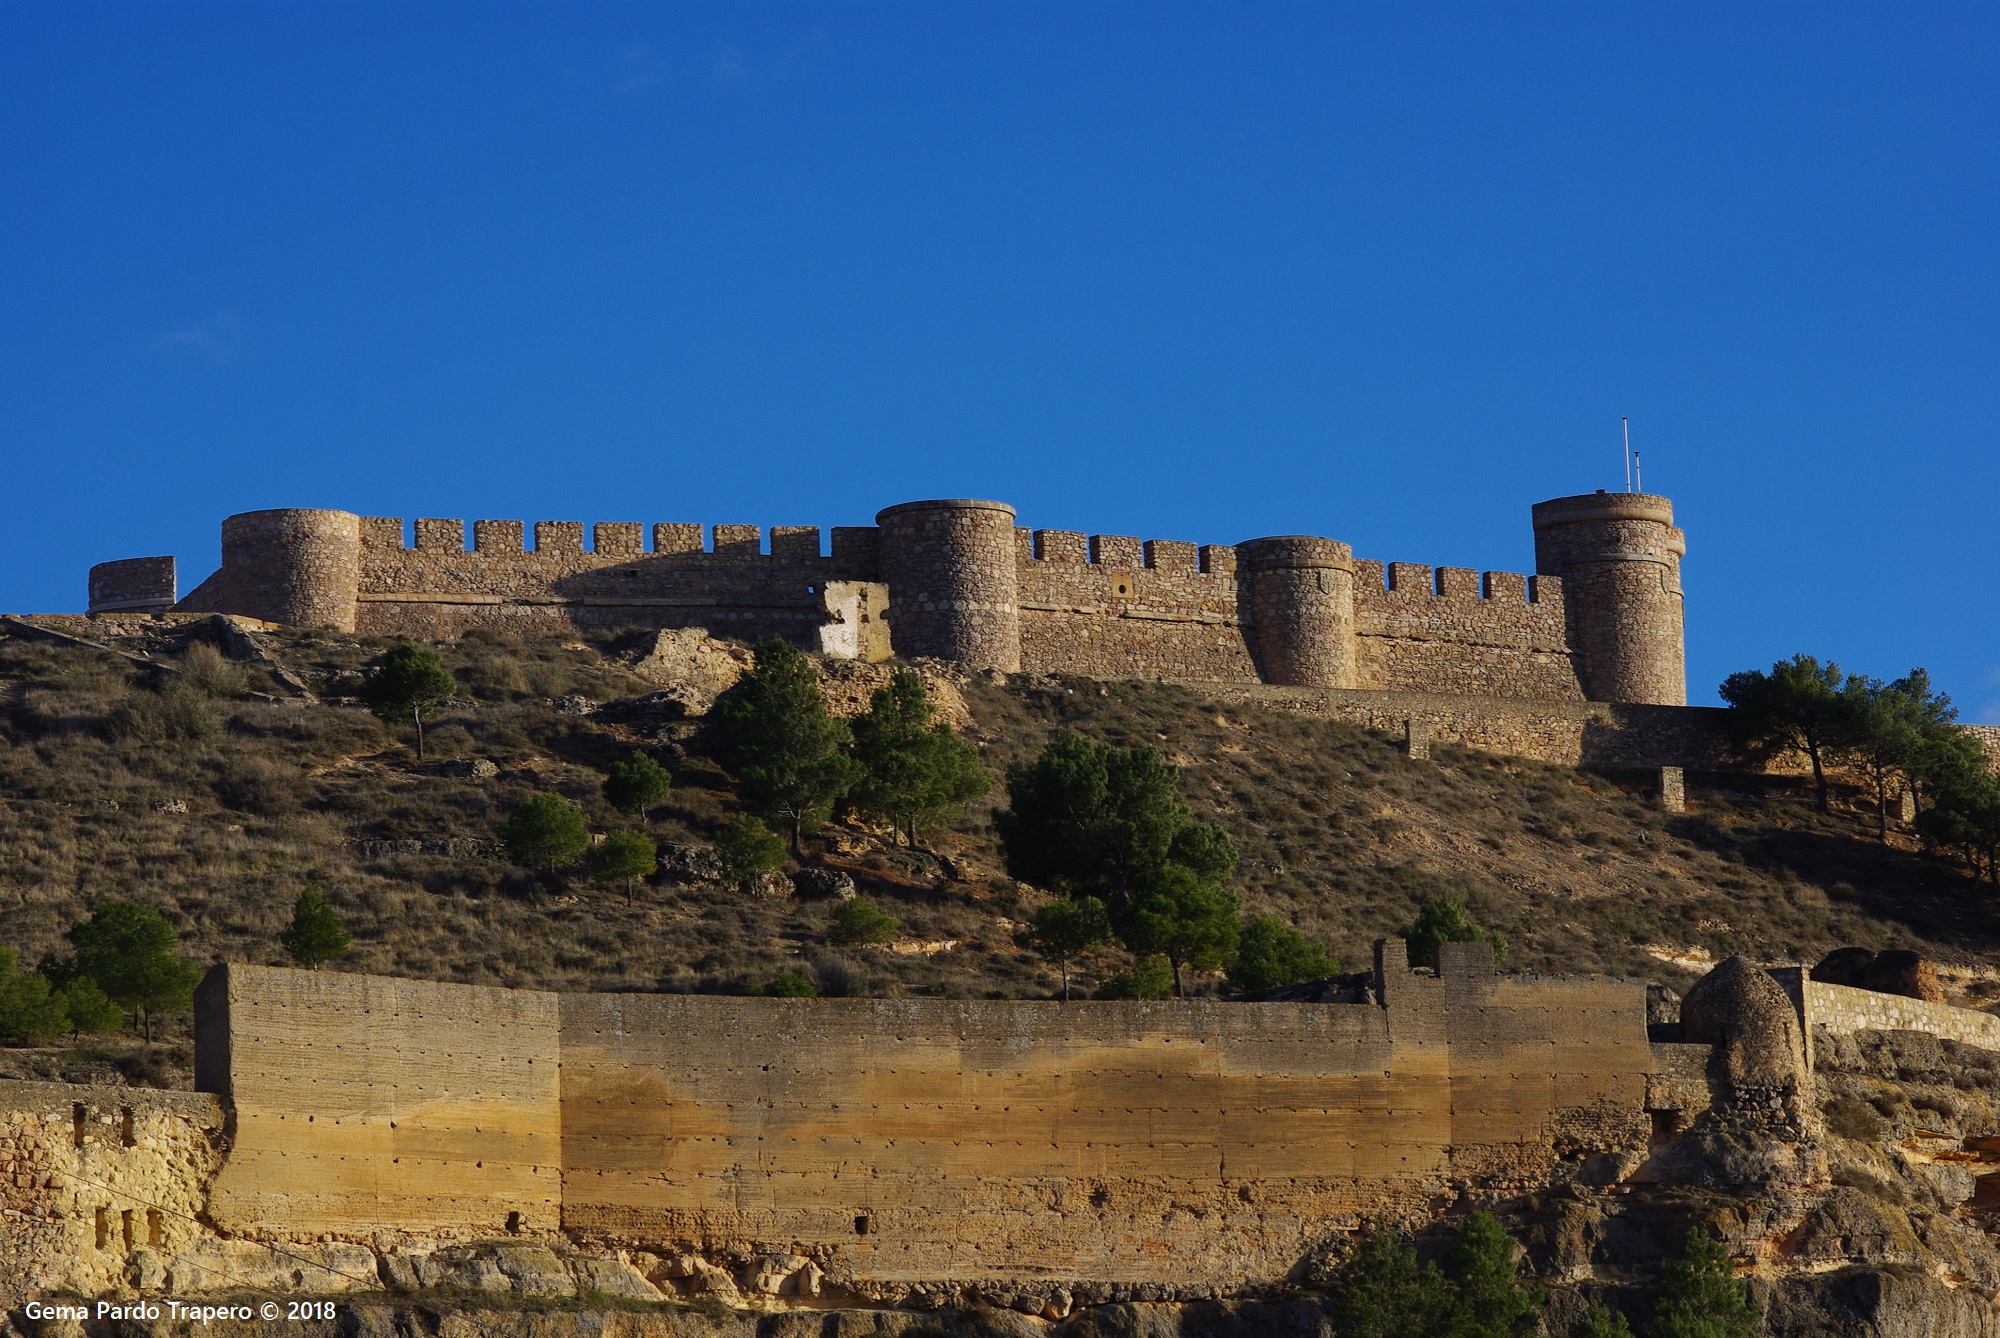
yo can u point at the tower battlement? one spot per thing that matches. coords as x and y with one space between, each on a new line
1600 619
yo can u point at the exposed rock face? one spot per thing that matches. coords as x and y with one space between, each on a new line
1740 1010
1895 972
691 667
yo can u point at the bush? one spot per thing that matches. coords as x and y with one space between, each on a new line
1272 953
637 784
316 933
1601 1323
1382 1292
624 857
747 849
30 1012
1443 920
790 985
857 921
1149 978
546 832
176 714
89 1011
1700 1295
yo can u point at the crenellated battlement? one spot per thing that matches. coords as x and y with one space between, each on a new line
962 582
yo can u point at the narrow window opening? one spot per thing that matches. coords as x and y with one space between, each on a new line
77 1116
125 1134
103 1228
863 1224
513 1224
156 1230
125 1230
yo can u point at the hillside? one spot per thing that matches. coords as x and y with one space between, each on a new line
217 791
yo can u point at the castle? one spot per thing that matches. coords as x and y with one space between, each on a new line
959 581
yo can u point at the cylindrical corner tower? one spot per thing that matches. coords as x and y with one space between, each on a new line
952 582
1619 557
297 567
1302 596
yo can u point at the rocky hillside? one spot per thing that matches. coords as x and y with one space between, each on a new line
216 774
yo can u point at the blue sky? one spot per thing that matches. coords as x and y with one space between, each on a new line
1389 274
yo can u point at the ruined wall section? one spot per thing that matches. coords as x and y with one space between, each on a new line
364 1103
732 586
98 1183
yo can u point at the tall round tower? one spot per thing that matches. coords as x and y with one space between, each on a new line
952 582
1619 557
298 567
1302 596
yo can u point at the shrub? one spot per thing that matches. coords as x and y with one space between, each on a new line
1149 978
546 832
30 1012
1601 1323
1442 919
1272 953
175 714
746 848
790 985
1382 1292
637 784
316 934
624 857
88 1010
858 921
1700 1295
1068 928
205 669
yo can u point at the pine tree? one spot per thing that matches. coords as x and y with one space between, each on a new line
1600 1322
545 832
1272 953
30 1011
134 956
1799 705
1068 928
1382 1292
1486 1298
1443 920
1184 918
788 755
637 784
316 933
1700 1295
857 921
89 1012
409 682
918 773
624 857
746 848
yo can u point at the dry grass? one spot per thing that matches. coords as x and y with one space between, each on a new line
1340 834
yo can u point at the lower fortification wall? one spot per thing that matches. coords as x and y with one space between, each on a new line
908 1142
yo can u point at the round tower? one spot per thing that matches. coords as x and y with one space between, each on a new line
1619 557
952 583
297 567
1302 596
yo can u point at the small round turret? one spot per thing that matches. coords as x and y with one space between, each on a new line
1619 557
297 567
1302 597
952 583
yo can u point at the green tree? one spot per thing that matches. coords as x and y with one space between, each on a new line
637 784
748 849
1272 953
30 1012
1068 928
1700 1295
1601 1322
1149 978
1088 818
1964 812
858 921
546 831
1799 705
409 683
788 755
1443 920
624 857
316 933
1382 1292
1902 730
89 1011
917 772
1487 1299
1185 918
790 985
134 956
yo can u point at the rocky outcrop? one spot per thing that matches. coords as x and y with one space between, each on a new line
1895 972
1739 1009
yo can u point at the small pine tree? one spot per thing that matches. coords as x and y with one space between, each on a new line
315 934
545 832
1184 918
1068 928
747 849
788 755
1382 1292
1700 1295
30 1011
1486 1298
858 921
1601 1322
410 682
637 784
624 857
1149 978
1272 953
918 772
1443 920
134 956
790 985
90 1013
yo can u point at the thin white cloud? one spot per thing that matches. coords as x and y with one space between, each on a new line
217 339
640 67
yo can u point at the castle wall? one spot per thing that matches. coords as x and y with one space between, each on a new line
907 1141
365 1103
